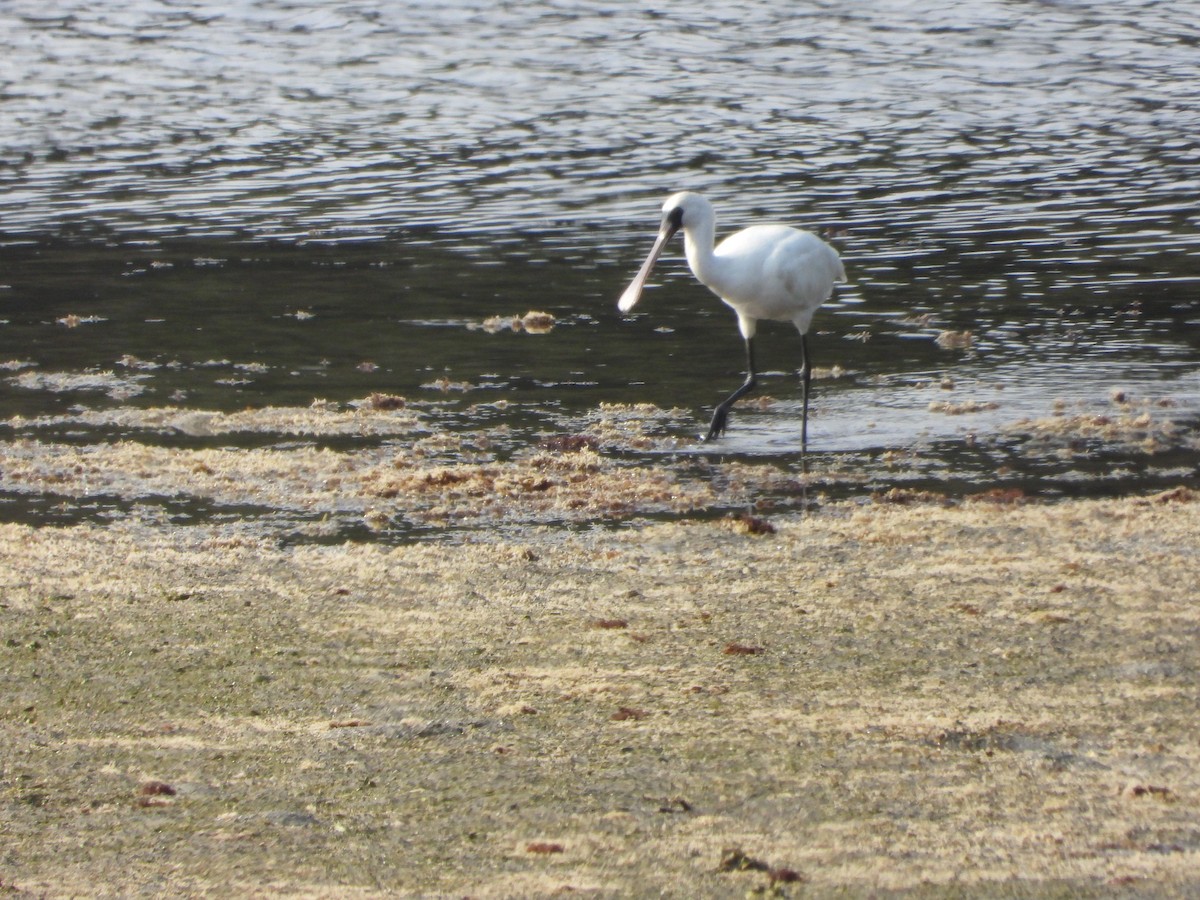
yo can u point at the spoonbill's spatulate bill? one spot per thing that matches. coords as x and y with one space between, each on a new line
762 272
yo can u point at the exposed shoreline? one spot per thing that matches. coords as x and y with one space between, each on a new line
989 698
396 468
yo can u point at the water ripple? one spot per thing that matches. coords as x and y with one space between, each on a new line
287 117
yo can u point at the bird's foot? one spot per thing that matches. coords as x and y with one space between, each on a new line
717 426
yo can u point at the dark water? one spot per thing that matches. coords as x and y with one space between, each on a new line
253 204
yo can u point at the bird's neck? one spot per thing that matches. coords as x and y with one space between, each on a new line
698 246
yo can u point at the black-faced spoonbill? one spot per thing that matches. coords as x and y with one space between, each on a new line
762 272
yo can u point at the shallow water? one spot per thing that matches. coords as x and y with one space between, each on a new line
220 206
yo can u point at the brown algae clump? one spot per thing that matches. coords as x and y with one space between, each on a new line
533 322
579 484
1139 424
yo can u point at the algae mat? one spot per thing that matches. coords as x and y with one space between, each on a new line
985 699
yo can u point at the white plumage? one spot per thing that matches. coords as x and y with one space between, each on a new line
762 272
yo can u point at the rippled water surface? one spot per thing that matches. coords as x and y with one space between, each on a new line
249 204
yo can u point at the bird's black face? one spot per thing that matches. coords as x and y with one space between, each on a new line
673 221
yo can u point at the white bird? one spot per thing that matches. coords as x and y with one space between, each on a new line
763 272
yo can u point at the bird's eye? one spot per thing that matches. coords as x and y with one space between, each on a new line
675 217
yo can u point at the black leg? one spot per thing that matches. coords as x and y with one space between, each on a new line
722 412
805 378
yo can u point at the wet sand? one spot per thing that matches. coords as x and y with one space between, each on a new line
988 698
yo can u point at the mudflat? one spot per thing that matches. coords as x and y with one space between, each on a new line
982 698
